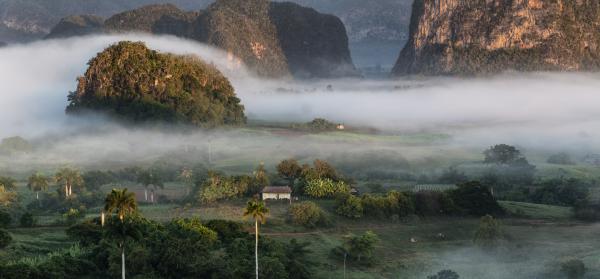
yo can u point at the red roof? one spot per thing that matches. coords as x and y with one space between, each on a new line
277 190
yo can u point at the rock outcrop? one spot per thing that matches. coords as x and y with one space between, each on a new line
468 37
77 26
272 39
158 19
130 81
315 44
243 28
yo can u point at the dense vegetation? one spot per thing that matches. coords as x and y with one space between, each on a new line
130 81
360 225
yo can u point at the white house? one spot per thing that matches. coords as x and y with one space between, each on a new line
277 193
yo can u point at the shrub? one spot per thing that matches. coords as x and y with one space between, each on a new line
430 203
392 204
73 215
489 232
219 187
5 239
325 188
27 220
5 219
445 274
475 199
349 206
307 214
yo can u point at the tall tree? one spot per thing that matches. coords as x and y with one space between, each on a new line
502 154
290 170
187 177
37 182
260 180
70 178
122 203
258 211
8 183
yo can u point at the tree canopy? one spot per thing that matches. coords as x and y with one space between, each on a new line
132 82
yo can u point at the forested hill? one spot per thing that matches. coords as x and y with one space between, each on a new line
131 82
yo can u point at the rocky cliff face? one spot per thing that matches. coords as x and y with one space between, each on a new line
26 20
272 39
315 44
244 29
476 36
163 18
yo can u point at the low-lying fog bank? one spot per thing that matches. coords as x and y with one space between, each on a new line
548 112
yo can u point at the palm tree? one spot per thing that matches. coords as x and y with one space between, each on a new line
258 211
69 177
187 177
122 203
37 182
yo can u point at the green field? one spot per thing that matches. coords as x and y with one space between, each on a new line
537 211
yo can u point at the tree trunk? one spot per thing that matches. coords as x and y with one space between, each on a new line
152 196
66 191
256 246
37 195
146 193
70 190
123 262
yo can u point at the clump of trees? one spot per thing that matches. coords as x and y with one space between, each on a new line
349 206
307 214
128 244
561 191
317 125
325 188
476 199
357 248
470 198
509 170
321 180
391 205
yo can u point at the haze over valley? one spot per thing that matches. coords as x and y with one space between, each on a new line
315 139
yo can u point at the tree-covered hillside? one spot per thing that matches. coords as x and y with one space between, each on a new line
130 81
